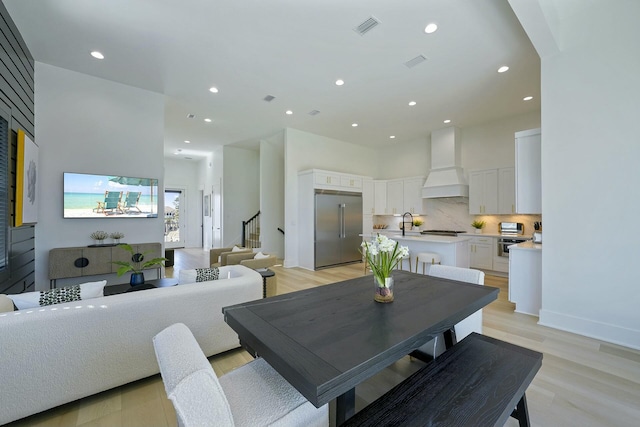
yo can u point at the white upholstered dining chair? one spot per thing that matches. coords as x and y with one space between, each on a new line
251 395
473 323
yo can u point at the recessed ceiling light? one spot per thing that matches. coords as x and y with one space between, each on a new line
392 137
186 141
503 69
447 121
97 55
527 98
207 120
355 125
339 82
412 103
288 112
430 28
213 89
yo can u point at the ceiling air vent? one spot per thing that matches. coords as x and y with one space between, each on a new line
269 98
367 26
190 116
415 61
314 112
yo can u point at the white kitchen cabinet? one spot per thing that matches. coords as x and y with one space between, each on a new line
367 223
481 250
380 197
413 195
367 197
528 172
483 192
506 191
395 196
326 178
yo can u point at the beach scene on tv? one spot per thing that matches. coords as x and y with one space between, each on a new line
109 196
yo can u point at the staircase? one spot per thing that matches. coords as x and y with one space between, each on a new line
251 232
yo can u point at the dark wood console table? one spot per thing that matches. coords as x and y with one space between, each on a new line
148 284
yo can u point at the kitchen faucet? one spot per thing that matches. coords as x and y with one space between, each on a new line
403 215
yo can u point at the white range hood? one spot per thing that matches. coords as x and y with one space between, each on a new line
446 178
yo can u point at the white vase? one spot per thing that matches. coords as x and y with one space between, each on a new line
478 230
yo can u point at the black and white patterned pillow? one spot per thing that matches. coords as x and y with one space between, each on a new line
206 274
56 296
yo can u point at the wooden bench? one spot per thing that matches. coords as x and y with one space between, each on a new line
477 382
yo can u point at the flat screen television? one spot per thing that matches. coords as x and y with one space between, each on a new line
109 196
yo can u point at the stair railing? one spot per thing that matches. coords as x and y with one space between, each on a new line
251 227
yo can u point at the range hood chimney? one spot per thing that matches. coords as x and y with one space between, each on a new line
446 178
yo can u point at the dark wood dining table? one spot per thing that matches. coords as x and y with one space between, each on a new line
326 340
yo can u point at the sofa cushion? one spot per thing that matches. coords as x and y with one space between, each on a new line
59 295
260 255
6 304
238 249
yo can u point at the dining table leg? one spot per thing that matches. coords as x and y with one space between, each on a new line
450 338
345 406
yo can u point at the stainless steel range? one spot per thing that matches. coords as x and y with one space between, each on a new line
443 232
512 234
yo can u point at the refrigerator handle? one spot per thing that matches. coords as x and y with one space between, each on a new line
343 233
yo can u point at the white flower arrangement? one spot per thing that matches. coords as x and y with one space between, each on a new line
383 255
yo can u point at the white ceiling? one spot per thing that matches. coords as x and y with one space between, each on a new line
295 50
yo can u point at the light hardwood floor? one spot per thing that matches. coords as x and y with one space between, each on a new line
583 382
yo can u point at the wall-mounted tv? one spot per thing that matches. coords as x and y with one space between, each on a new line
109 196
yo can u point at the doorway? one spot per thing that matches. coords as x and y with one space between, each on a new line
174 217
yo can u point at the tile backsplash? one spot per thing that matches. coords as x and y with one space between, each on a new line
453 214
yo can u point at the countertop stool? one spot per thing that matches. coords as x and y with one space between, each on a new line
399 266
426 258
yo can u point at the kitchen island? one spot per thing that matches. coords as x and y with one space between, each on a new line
452 250
525 277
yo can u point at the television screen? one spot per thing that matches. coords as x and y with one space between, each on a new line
109 196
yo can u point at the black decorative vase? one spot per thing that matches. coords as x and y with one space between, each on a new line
136 279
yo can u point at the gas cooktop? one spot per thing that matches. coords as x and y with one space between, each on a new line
443 232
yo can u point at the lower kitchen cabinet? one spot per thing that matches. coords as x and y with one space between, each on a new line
481 250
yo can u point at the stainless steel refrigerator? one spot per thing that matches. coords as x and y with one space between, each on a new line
338 225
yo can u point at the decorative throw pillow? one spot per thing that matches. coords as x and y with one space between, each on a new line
260 255
237 249
206 274
5 303
59 295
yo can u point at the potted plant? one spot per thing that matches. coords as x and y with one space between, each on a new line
478 225
98 237
137 264
417 223
383 255
116 236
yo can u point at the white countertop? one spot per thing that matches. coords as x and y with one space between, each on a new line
417 237
526 246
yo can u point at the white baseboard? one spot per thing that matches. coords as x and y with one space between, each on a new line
602 331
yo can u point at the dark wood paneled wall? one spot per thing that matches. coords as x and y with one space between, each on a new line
16 98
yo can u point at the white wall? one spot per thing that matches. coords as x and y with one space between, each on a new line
304 151
241 188
403 160
272 194
590 173
86 124
182 174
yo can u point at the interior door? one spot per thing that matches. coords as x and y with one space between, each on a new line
328 230
174 217
352 228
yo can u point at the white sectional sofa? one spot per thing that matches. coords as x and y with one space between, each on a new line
60 353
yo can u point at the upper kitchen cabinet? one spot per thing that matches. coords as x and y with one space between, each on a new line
483 192
328 180
395 196
367 197
528 172
413 195
507 191
380 197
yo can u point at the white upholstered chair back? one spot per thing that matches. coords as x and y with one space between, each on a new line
251 395
473 323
